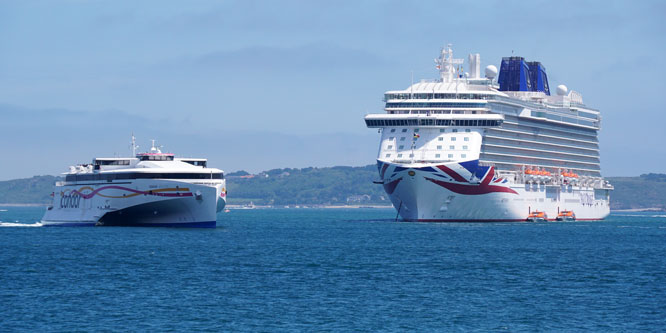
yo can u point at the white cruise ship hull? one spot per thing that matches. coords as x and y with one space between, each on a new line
139 202
460 192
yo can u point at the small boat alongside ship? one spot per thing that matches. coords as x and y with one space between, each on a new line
566 216
537 216
148 189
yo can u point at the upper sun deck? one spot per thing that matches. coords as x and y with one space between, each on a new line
155 162
456 92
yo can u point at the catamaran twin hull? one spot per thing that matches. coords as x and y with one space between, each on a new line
136 203
468 192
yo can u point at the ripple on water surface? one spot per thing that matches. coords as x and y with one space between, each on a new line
334 270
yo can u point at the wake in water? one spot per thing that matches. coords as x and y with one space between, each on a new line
645 215
18 224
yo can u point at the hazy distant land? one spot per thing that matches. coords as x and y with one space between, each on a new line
338 186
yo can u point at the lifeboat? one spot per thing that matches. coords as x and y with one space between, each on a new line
537 216
570 177
566 215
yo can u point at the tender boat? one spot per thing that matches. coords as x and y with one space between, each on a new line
566 215
537 216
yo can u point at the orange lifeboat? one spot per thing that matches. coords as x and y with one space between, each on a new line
566 215
537 216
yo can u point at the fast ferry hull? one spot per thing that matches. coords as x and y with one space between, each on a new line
466 192
161 203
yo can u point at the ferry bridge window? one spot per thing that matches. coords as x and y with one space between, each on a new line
112 162
140 175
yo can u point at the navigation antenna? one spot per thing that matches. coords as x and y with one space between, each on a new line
133 145
447 64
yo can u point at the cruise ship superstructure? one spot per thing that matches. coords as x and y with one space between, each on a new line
148 189
471 148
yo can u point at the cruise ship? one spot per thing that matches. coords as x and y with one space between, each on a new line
495 148
149 189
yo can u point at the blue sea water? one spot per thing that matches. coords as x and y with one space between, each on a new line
334 270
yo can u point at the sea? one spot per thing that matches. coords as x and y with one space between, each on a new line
276 270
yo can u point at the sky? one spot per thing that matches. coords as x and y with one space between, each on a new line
257 85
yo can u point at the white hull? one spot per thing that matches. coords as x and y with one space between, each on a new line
428 193
138 202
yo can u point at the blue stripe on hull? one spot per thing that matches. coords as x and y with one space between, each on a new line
69 224
207 224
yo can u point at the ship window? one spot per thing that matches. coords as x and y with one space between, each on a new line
465 147
112 162
391 138
466 138
450 155
439 147
436 155
452 147
156 157
404 130
454 130
442 130
463 155
392 130
140 175
402 138
196 163
401 147
399 155
388 155
468 130
389 147
411 155
453 138
440 138
416 130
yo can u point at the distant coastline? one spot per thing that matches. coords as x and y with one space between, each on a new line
332 188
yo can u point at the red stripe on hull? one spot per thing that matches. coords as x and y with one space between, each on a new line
487 220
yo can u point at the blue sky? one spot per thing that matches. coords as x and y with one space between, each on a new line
257 85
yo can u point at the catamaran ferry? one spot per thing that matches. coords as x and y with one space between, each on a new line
471 148
150 189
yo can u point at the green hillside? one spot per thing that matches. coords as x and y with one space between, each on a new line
646 191
333 186
35 190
